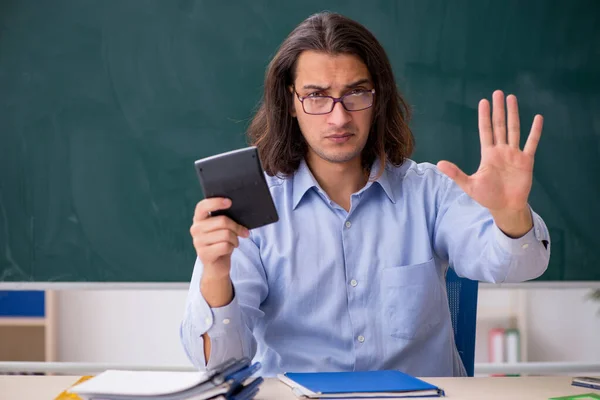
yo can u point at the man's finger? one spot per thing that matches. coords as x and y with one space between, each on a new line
514 127
499 117
485 124
454 173
223 222
217 250
534 135
206 206
223 235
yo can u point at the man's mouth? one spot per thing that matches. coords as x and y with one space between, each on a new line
340 137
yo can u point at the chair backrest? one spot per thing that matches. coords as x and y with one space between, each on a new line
462 297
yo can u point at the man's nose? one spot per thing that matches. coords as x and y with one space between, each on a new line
339 116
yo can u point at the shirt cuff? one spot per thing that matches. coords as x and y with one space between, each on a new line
537 234
225 319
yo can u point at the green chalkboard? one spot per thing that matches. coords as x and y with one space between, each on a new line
105 104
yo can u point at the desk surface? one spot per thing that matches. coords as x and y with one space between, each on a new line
48 387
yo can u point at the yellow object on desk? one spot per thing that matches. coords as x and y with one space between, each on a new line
72 396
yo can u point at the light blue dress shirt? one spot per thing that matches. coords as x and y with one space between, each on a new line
328 290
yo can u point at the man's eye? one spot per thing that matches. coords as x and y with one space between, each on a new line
358 91
315 94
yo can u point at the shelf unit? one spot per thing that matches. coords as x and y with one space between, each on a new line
29 338
501 308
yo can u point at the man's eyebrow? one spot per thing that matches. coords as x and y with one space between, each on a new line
348 86
316 87
358 83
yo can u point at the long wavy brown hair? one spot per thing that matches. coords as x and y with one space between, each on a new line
277 134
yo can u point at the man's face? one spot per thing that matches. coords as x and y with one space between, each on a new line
338 136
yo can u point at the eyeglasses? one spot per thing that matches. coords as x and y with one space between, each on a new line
355 100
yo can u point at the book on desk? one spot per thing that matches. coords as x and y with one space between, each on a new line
229 381
388 384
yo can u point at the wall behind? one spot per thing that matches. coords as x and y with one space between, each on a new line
121 326
563 326
142 327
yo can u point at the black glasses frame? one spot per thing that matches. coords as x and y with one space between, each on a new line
335 101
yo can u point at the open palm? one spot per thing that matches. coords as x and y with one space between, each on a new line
504 177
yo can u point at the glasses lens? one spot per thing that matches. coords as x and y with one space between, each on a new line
318 105
358 101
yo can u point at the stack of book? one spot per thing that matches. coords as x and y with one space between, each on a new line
229 381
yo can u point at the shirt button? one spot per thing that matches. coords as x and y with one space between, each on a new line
348 224
207 320
526 245
353 282
226 321
361 338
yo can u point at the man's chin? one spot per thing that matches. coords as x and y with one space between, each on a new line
340 157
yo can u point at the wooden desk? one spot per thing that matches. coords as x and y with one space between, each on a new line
48 387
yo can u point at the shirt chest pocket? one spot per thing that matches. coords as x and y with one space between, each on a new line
412 299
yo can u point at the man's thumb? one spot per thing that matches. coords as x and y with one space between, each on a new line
454 173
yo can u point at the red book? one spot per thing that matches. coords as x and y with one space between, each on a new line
496 346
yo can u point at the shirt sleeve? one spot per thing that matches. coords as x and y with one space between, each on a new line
476 248
229 327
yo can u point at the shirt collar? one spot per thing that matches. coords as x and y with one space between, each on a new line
383 180
304 180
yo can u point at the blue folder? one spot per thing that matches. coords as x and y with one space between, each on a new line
361 384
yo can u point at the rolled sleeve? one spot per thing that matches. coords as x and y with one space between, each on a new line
218 321
229 327
537 235
225 333
223 325
197 320
529 254
467 236
224 320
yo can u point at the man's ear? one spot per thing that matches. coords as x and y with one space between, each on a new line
293 108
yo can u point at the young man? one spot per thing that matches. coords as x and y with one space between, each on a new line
352 277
